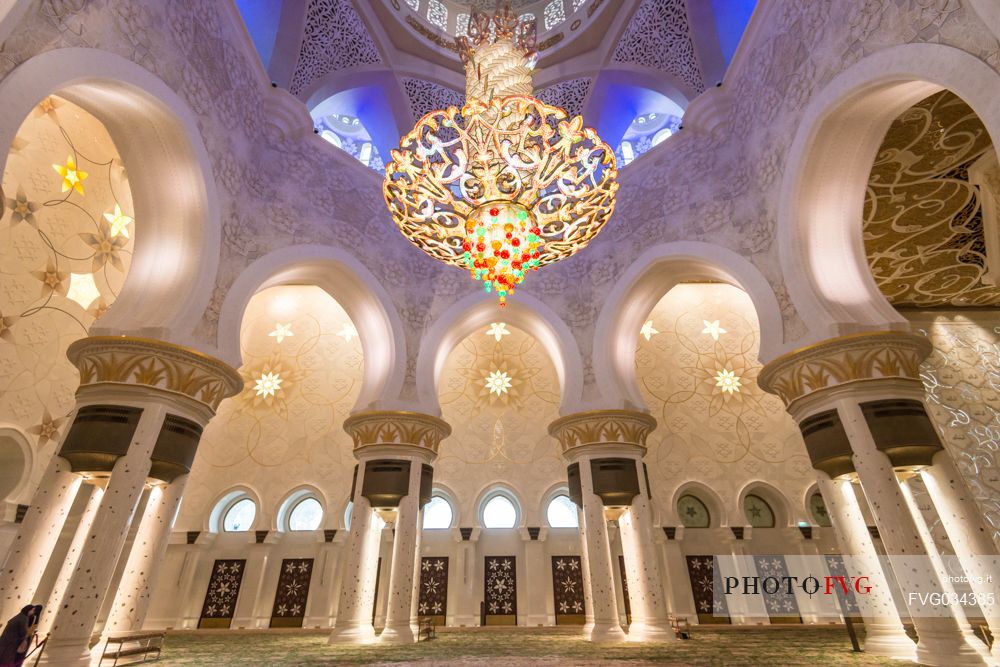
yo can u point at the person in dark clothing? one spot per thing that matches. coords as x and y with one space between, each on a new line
16 638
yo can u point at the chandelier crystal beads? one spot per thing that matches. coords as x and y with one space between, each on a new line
506 184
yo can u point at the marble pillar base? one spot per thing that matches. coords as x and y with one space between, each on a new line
354 634
889 641
606 633
401 634
944 651
650 632
66 653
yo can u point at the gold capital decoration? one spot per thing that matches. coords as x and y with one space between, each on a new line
396 427
852 358
602 427
128 360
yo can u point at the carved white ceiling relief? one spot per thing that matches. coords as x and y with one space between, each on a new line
335 38
659 36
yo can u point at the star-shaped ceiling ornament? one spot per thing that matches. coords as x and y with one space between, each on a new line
268 384
498 382
647 331
728 381
72 178
498 330
281 332
713 329
118 221
348 332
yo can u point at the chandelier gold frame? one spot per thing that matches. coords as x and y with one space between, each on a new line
506 184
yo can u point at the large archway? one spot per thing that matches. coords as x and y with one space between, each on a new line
354 287
822 197
645 282
178 251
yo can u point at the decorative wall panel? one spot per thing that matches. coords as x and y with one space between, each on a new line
567 589
848 603
223 591
433 599
500 592
292 594
704 581
923 219
781 605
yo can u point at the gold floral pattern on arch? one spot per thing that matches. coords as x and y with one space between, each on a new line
61 267
923 219
709 428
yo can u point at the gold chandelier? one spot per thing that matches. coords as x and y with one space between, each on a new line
507 183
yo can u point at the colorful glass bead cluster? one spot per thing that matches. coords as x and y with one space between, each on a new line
502 243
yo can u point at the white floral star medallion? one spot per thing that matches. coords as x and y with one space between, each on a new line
118 221
268 384
728 381
713 329
498 382
647 331
281 332
348 332
498 330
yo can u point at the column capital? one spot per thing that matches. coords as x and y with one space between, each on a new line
162 366
877 355
407 431
585 430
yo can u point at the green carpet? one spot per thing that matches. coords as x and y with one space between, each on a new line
541 647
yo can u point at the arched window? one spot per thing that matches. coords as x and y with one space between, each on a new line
628 154
665 133
818 510
438 514
307 514
693 512
759 514
499 511
347 514
240 515
562 512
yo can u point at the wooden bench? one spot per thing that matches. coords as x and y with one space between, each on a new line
135 646
681 627
427 629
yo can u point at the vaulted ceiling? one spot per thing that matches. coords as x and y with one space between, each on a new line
603 49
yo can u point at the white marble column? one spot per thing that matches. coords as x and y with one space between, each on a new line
69 641
957 610
884 633
357 591
940 638
596 545
131 602
385 434
962 520
650 621
36 537
76 546
401 624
